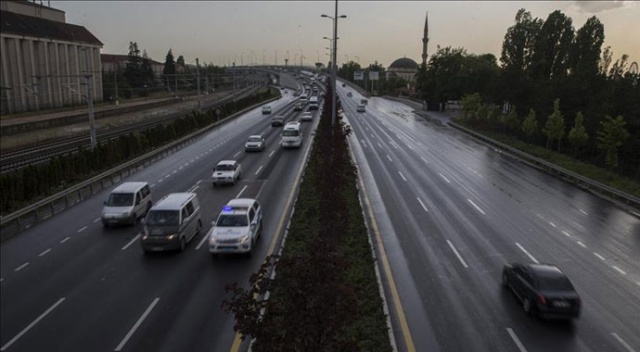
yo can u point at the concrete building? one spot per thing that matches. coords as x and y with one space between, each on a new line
45 62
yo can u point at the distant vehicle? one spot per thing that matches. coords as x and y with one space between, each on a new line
349 94
543 289
361 108
226 171
297 107
237 228
306 116
266 109
254 143
277 120
291 135
313 103
363 101
344 85
172 223
303 100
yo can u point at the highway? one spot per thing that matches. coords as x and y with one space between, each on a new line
450 212
68 284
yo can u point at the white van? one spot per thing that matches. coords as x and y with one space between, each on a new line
171 223
291 135
313 103
303 99
127 203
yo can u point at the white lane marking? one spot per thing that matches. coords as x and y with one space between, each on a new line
65 239
174 171
401 175
372 136
516 340
393 144
152 185
33 323
21 267
582 244
552 224
181 167
260 168
190 161
160 180
44 252
96 220
583 212
236 154
410 147
619 270
388 157
527 253
598 255
1 279
204 238
364 144
137 324
195 186
167 176
477 207
379 145
425 160
82 229
241 191
444 178
622 342
272 152
457 254
422 204
566 233
132 241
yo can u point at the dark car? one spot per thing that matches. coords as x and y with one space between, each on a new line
277 121
543 289
297 107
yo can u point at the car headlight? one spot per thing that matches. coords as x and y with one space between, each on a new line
212 240
171 236
244 238
126 213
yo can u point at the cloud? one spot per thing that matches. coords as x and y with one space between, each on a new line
601 6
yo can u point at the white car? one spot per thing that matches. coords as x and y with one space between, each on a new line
266 110
306 116
254 143
226 172
238 227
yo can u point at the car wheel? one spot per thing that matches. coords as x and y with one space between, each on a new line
526 305
183 244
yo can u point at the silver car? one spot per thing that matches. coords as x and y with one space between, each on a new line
254 143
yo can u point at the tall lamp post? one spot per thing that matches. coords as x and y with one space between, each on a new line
335 66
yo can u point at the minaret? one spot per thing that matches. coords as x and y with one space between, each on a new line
425 39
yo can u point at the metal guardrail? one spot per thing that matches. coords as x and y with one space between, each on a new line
16 222
553 169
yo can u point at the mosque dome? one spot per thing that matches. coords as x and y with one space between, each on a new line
404 63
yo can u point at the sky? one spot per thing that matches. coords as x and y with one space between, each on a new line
221 32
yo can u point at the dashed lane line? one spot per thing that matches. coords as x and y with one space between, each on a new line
82 229
457 254
236 154
204 238
444 178
527 253
259 169
272 152
425 160
422 204
477 207
582 244
44 252
21 267
516 340
401 175
65 239
132 241
33 323
241 191
598 255
388 157
566 233
619 270
552 224
623 342
96 220
137 324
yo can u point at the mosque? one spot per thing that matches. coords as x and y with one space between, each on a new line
405 67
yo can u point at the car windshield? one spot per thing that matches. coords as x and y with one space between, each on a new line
290 133
224 167
554 283
254 139
163 218
232 220
120 199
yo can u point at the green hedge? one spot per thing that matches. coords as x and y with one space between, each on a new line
34 182
325 294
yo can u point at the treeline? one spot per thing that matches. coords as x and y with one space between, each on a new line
25 186
325 295
544 61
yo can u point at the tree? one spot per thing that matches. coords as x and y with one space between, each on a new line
169 65
554 128
611 136
530 124
552 47
180 65
585 51
132 71
470 104
511 120
578 136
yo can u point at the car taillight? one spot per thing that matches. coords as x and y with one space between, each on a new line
541 299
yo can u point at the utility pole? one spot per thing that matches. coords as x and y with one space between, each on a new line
115 77
88 77
198 84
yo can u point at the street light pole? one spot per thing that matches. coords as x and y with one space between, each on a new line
335 66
